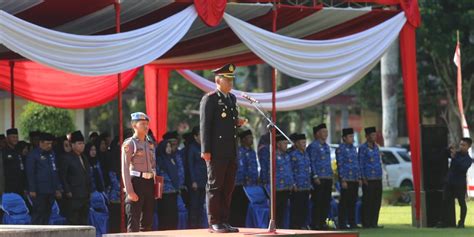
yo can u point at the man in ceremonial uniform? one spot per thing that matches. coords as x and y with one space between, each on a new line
320 156
348 170
371 169
219 121
301 166
285 182
138 174
14 169
43 179
247 175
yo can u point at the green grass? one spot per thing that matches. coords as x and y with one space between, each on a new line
397 222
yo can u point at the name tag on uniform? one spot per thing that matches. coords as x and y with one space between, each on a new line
43 157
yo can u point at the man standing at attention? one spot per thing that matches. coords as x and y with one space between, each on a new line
219 122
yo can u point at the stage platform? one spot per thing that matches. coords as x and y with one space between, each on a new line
46 231
243 232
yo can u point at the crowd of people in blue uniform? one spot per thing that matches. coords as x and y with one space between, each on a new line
47 170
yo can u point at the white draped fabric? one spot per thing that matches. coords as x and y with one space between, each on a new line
318 59
94 55
298 97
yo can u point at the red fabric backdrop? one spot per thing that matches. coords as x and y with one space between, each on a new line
210 11
156 96
51 87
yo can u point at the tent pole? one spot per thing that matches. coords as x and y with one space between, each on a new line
120 115
272 224
12 93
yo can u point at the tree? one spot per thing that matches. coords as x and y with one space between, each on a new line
437 40
389 67
36 117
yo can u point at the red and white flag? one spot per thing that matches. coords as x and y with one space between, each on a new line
457 61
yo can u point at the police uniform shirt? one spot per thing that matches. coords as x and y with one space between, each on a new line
264 161
284 174
348 167
370 162
301 166
320 157
247 172
42 172
137 156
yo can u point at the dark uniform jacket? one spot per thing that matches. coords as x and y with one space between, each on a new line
219 125
14 171
75 178
42 172
458 169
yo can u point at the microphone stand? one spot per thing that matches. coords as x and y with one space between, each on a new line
271 124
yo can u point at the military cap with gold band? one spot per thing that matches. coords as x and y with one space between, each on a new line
226 71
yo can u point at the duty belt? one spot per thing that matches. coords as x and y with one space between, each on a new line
145 175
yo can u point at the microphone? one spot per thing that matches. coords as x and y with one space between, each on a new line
252 100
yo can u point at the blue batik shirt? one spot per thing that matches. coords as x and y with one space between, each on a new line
247 172
320 157
348 167
301 166
370 162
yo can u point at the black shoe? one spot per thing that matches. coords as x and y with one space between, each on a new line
218 228
354 227
324 227
460 224
230 228
377 226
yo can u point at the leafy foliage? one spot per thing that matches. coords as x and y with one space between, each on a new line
37 117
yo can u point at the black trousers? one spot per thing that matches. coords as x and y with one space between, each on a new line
321 197
281 204
238 207
140 213
197 199
347 204
219 188
114 217
371 201
459 192
42 204
299 209
78 211
168 211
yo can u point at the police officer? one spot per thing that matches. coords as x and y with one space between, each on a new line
247 175
320 156
456 178
43 179
284 179
371 169
348 170
301 166
198 179
138 173
219 121
14 169
76 181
